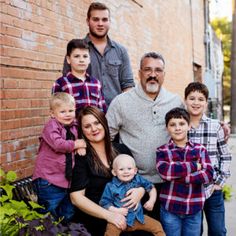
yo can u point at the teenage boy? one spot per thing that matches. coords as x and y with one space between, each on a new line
210 134
125 178
84 88
110 62
185 167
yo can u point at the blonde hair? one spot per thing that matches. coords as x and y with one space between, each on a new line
120 157
57 99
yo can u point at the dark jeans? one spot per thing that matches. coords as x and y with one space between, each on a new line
55 200
214 210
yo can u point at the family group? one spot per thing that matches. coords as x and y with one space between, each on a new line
126 159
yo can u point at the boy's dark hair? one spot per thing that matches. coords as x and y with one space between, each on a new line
177 113
154 55
196 86
76 43
96 6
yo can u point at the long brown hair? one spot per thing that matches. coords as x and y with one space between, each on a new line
110 152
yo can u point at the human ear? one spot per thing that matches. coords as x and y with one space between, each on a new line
113 172
68 59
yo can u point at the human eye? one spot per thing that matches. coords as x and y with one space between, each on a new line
171 124
96 19
105 19
147 69
158 70
97 123
85 56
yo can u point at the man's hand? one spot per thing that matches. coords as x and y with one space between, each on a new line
227 130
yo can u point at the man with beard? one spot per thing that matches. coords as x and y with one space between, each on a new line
139 117
109 60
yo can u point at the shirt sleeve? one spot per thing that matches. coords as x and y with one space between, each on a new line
107 197
114 117
101 101
56 87
80 176
146 184
205 175
170 170
224 158
126 75
52 135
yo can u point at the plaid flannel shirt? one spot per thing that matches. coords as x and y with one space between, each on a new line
183 189
86 93
210 134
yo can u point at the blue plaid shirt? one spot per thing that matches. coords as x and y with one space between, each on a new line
115 191
210 134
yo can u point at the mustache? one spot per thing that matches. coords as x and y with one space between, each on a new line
150 78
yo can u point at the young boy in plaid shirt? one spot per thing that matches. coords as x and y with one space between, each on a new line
210 134
86 90
185 167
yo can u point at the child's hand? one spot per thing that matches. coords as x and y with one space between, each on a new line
80 143
199 166
149 205
81 151
123 211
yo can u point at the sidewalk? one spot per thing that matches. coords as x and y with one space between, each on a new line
230 206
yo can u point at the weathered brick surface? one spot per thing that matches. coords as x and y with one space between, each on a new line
34 35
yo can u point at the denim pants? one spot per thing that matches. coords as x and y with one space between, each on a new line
54 199
181 225
214 210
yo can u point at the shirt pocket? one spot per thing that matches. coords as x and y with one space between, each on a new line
113 67
94 95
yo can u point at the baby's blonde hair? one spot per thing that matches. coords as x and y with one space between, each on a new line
57 99
122 156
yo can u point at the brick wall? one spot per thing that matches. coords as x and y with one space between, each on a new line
34 35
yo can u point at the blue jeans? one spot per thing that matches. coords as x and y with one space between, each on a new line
214 209
181 225
55 200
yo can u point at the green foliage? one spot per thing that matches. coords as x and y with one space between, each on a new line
18 218
223 29
11 210
227 191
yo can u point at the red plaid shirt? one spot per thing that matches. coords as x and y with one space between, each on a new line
86 93
183 189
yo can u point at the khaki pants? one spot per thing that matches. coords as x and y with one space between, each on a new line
150 225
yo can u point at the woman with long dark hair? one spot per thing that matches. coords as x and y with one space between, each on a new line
93 171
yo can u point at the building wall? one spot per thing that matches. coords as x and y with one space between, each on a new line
34 35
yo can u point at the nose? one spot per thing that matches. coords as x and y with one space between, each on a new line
93 127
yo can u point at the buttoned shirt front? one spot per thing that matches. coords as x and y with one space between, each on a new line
183 189
116 190
86 93
112 69
210 134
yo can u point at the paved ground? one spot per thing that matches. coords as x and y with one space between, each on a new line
230 206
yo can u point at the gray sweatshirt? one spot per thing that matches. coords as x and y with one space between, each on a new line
140 122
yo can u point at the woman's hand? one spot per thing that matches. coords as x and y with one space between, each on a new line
117 219
133 197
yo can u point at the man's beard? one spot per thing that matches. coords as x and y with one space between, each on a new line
152 88
95 35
